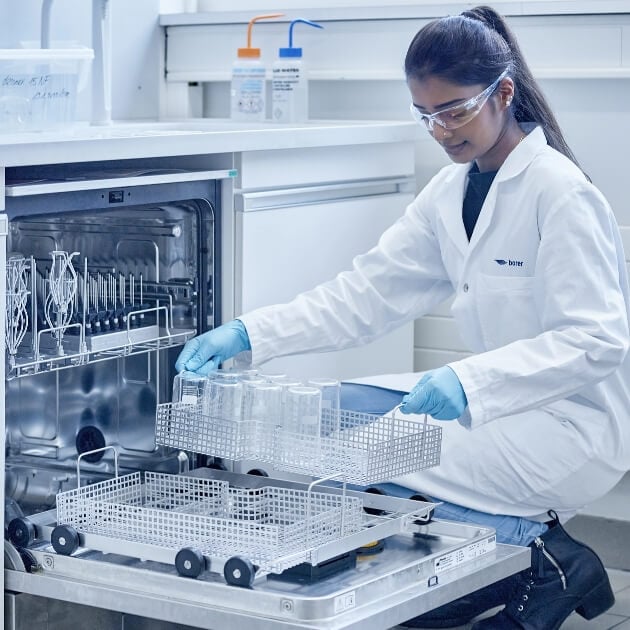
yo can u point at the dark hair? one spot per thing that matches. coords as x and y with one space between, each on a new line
475 48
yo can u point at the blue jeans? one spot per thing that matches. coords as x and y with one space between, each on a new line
511 530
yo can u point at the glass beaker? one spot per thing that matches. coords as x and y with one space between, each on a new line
303 411
262 410
226 398
189 388
302 419
331 393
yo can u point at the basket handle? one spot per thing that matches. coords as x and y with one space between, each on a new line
397 407
96 450
424 427
309 491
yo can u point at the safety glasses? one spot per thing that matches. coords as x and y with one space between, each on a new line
457 115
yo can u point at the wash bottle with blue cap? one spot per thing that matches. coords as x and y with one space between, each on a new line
247 94
289 82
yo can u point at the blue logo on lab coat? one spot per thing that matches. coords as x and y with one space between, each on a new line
500 262
511 263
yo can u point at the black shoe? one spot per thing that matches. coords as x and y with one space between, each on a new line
462 610
566 576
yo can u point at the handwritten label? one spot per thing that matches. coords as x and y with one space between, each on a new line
37 100
43 86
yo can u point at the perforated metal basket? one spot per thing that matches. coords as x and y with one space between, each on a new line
364 449
275 527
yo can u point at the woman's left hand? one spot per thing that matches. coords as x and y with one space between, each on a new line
438 393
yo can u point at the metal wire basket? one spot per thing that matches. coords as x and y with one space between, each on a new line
275 527
364 449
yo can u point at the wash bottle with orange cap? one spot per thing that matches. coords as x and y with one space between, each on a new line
248 79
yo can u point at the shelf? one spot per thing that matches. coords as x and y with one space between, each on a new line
420 9
388 75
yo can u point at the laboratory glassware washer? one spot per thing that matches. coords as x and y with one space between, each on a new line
95 382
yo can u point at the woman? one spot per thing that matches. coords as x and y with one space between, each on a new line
532 254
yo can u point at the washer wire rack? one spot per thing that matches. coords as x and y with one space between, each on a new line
274 527
365 449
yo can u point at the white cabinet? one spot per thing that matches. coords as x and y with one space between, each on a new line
292 237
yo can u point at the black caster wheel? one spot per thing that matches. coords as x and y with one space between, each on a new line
239 571
190 562
65 540
258 472
374 511
21 532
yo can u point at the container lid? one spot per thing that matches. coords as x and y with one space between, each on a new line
293 51
249 52
45 54
290 52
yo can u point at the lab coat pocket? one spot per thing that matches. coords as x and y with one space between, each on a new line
507 309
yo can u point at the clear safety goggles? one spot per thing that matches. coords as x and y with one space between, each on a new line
457 115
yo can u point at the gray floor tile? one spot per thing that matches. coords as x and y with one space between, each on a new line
622 603
623 626
619 579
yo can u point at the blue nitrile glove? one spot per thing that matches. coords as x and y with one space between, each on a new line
438 393
205 353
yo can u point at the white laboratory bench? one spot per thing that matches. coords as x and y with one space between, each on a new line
129 140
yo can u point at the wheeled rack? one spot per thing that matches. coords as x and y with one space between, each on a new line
209 524
429 564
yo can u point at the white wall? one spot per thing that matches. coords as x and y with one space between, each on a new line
583 65
136 46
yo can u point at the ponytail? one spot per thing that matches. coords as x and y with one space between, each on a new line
475 48
529 103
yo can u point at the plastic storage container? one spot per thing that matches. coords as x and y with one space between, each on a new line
39 87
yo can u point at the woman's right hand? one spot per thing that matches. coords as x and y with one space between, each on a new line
204 353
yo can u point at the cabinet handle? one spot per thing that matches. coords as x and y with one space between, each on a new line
251 201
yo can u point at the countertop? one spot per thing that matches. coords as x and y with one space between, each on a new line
128 140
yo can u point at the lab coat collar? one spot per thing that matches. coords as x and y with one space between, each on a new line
515 163
450 204
523 153
452 200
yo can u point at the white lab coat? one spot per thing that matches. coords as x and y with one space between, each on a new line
540 297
